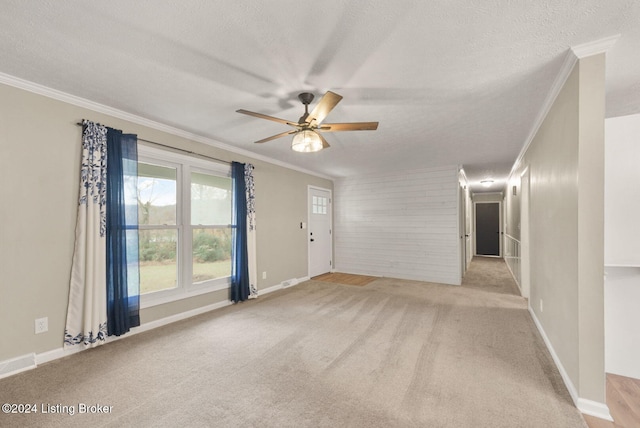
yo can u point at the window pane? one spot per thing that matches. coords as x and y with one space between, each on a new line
210 199
156 194
319 205
211 254
158 266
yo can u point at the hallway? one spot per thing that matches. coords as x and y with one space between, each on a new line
623 394
490 274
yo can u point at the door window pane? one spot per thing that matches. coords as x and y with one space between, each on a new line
319 205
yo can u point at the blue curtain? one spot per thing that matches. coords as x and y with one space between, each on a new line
123 277
240 289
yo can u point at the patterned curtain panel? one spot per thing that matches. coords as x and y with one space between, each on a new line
87 310
104 286
251 231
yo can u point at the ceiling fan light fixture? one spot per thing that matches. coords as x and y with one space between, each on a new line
306 138
306 141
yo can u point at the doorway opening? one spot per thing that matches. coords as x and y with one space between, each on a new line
487 229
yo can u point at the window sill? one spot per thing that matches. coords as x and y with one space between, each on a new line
168 296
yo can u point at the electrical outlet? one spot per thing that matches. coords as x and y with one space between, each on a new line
541 306
42 325
264 275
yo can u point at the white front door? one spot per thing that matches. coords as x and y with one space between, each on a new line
320 254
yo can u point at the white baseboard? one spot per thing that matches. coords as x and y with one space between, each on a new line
594 408
588 407
565 377
284 284
173 318
17 365
55 354
263 291
45 357
31 361
294 281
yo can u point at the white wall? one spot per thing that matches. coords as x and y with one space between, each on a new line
622 321
402 224
622 246
622 191
488 197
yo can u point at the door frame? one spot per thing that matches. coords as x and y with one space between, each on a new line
525 233
462 191
330 212
464 227
500 229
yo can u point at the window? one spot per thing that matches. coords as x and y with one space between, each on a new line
319 205
210 227
184 217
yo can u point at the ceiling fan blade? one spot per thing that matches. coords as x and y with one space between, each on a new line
322 109
353 126
264 116
324 142
273 137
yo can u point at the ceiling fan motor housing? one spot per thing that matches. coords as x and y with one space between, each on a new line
305 98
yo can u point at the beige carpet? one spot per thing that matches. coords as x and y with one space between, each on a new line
395 353
490 274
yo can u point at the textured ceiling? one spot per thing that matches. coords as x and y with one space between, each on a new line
456 82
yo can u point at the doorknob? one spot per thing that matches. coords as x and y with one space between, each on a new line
311 239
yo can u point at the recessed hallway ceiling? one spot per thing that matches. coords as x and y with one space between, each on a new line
451 82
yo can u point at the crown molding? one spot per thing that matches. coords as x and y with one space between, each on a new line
575 53
463 174
36 88
596 47
570 61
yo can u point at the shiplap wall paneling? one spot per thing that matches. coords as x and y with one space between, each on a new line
402 225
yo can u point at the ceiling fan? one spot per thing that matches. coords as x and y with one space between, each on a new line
308 129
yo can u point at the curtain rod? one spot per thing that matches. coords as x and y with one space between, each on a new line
178 149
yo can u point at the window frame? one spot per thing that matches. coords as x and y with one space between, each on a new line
184 165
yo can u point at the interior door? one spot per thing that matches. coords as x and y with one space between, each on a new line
320 254
488 229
